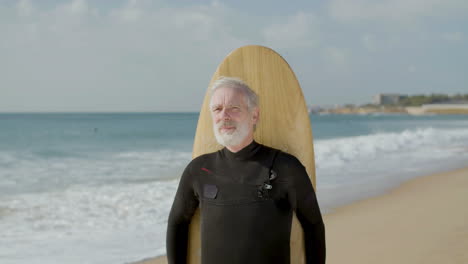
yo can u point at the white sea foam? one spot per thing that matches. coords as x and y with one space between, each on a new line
111 208
341 151
353 168
25 172
107 224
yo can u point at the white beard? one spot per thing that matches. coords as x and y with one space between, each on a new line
234 138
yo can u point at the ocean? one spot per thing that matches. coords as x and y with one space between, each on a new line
97 187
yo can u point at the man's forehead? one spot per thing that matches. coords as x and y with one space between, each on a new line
227 95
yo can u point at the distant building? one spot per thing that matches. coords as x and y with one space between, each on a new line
314 109
387 99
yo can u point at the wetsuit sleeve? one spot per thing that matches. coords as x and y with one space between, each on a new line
308 213
183 208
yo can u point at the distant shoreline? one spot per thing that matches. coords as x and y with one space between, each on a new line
414 110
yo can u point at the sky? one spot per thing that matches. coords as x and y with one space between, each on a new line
146 56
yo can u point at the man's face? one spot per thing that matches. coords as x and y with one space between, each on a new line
232 121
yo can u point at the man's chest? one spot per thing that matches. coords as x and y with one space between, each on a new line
240 183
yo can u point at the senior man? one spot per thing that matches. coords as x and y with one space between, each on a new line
247 192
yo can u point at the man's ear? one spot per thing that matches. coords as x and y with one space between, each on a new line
255 115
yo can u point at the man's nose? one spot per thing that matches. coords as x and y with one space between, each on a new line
225 115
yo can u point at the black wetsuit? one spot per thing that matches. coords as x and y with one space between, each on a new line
242 221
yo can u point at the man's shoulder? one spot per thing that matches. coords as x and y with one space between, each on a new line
289 160
283 158
202 159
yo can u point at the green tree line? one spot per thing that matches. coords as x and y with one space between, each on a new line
418 100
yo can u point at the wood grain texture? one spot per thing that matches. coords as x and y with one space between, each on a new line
284 122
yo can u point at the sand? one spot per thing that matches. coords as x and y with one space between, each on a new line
425 220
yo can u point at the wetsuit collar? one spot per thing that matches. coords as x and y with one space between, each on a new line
243 154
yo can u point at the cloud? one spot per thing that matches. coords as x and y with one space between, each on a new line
454 36
77 7
138 51
130 12
395 10
369 42
337 56
299 30
81 55
24 8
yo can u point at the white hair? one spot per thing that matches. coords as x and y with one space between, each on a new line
251 97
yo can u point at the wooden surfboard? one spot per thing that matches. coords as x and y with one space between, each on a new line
284 123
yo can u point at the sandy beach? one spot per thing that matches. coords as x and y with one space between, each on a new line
424 220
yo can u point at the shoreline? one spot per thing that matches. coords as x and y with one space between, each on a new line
422 220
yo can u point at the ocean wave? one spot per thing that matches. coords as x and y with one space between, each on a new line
25 172
84 208
120 215
333 153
